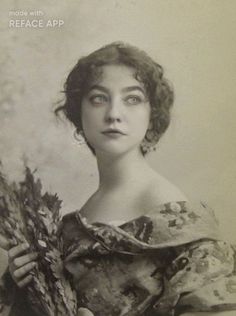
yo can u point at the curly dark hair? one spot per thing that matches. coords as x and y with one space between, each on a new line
147 71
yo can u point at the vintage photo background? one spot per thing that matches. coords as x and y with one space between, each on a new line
194 40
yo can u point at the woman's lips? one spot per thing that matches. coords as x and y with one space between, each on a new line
113 133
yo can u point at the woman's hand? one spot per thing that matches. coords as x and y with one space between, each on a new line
20 262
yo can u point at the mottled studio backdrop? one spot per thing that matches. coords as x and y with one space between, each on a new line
195 41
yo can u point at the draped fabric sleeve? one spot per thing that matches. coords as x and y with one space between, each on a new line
201 278
202 275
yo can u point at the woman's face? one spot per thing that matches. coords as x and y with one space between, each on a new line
115 111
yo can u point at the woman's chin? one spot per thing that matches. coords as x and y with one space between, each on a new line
115 151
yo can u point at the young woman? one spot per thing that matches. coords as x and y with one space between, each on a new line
137 246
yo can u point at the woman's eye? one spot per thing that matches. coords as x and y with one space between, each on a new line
98 99
132 100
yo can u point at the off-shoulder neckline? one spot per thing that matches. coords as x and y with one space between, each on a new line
148 213
201 224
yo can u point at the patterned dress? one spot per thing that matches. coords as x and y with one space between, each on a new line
166 262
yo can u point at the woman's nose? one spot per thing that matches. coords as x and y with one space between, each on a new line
113 113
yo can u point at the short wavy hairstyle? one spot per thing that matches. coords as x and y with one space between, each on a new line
158 89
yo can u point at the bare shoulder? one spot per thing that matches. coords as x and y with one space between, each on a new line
162 191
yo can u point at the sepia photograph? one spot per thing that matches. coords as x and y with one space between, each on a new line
117 158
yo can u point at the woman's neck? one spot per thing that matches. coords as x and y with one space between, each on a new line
122 171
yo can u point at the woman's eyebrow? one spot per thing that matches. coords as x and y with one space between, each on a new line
126 89
132 88
98 87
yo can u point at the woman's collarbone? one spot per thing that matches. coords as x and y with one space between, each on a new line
120 208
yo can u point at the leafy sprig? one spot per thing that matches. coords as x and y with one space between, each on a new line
28 215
